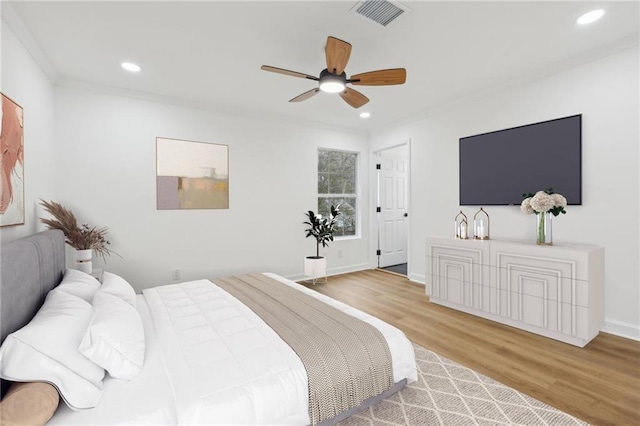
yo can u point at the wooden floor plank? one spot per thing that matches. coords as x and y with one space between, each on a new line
599 383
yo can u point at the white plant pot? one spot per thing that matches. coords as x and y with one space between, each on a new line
85 266
315 267
83 260
83 255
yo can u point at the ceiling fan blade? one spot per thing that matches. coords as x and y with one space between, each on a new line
353 97
380 77
287 72
337 52
305 95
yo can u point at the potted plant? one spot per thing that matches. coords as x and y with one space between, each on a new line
84 238
320 228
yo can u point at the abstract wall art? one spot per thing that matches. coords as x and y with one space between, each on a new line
12 164
191 175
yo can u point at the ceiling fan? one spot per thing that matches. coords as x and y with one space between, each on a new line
333 79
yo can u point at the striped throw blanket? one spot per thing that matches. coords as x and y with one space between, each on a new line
346 359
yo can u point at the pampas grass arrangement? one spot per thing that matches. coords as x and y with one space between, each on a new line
80 237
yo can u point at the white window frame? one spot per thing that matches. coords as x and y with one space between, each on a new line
358 209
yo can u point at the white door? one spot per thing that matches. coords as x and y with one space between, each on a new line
393 215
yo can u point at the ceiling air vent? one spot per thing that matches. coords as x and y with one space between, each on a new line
384 12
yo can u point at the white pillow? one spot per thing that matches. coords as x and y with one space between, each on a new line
119 287
114 339
46 350
79 284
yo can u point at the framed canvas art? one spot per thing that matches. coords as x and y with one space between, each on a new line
191 175
12 163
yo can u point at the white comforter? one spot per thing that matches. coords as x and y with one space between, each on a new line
222 364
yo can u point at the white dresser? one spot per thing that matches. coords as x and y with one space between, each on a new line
555 291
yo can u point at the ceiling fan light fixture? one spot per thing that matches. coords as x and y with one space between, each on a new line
332 86
337 54
332 83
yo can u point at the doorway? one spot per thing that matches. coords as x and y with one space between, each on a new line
393 209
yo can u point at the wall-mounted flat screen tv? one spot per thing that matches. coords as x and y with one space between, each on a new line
496 168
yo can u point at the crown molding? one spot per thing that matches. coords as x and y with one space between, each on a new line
13 21
76 84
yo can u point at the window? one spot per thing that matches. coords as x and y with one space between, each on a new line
337 184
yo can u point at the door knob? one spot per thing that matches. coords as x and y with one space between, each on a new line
406 214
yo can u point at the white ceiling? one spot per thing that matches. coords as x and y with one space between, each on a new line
211 51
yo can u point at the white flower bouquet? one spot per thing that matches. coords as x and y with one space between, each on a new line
544 201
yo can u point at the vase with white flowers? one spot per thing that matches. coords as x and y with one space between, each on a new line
544 204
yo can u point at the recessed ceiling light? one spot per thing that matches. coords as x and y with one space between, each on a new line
131 67
365 114
590 17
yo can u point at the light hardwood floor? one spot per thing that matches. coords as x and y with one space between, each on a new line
599 383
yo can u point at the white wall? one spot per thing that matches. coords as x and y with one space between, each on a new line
605 92
107 176
26 84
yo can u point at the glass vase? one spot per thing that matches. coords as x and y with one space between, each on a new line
544 229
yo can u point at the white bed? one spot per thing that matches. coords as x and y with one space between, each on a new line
208 359
241 373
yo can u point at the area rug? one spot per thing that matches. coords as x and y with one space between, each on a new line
449 394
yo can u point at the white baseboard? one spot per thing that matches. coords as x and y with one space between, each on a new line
418 278
347 269
334 271
622 329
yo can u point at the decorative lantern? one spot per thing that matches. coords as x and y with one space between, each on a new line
461 226
481 225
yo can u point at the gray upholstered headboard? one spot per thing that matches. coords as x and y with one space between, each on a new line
31 266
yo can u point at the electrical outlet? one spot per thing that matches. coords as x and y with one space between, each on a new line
339 253
175 274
